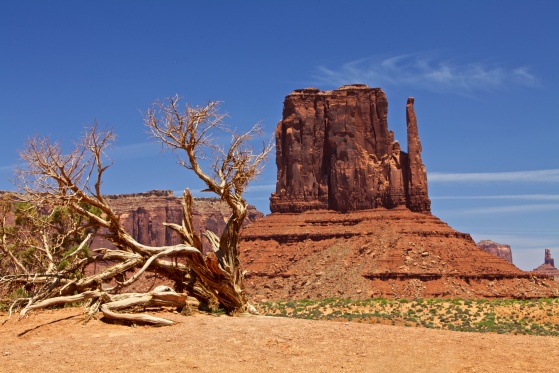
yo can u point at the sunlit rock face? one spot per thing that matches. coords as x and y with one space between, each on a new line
334 151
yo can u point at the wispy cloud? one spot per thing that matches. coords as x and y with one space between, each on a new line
511 209
133 151
516 197
7 168
427 72
262 188
539 176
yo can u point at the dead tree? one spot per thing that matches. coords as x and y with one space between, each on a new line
73 181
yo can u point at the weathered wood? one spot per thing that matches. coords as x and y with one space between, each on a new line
136 318
60 300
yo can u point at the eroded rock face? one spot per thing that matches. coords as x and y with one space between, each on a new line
143 215
334 151
498 249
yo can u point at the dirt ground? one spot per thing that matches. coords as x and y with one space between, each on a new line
57 341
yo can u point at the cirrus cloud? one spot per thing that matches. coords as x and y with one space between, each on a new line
536 176
427 72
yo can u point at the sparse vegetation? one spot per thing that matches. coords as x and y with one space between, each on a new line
507 316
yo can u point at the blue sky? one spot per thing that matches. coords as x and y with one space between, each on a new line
483 73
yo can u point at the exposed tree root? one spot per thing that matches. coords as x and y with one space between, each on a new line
162 296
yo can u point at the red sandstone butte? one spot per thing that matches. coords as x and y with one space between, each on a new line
351 214
334 151
497 249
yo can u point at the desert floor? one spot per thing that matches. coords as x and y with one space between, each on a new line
57 341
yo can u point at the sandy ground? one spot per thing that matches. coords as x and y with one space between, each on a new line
57 341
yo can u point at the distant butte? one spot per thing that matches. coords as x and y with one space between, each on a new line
498 249
351 214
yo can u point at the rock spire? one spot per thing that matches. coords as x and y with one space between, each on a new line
548 266
548 259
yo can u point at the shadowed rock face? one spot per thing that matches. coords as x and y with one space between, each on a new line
497 249
334 151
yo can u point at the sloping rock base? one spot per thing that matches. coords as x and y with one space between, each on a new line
321 254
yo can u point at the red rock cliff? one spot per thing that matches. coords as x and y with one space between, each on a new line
334 151
143 215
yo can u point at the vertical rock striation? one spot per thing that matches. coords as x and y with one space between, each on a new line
334 151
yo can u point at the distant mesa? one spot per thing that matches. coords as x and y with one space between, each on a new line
548 267
334 151
497 249
143 215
